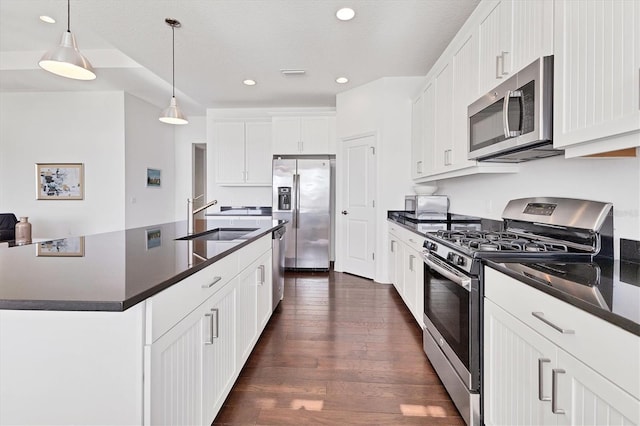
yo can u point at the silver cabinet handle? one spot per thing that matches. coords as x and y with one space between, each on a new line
419 167
262 275
392 243
498 73
213 326
554 391
211 284
411 259
540 316
541 396
503 60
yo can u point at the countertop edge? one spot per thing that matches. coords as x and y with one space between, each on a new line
610 317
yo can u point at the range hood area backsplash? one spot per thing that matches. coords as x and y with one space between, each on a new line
611 180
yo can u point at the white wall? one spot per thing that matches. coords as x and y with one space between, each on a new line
149 143
185 137
69 127
382 107
601 179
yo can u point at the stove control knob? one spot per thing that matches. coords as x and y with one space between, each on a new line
433 247
450 257
460 261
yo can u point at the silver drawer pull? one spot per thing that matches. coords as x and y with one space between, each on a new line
540 316
554 391
541 396
215 280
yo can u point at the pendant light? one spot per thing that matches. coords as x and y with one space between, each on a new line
172 114
66 60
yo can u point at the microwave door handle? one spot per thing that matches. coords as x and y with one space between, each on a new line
508 133
462 281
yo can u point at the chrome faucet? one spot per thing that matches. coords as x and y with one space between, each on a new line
191 212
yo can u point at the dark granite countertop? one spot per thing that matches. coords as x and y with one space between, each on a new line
242 211
618 289
108 272
453 221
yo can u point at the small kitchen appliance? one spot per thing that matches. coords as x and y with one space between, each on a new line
427 207
562 233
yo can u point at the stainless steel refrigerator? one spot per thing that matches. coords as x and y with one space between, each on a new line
301 195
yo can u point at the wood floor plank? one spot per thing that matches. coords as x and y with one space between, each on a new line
339 350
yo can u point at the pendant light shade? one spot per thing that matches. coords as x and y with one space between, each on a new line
66 60
172 114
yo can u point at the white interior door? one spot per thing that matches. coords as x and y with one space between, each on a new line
358 207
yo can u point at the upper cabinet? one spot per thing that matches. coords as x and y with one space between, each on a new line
306 135
243 152
417 154
512 34
596 81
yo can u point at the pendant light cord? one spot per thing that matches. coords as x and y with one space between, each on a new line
173 60
68 16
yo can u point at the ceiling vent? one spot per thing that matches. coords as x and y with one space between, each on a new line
286 72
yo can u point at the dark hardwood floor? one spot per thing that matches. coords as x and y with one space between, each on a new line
339 350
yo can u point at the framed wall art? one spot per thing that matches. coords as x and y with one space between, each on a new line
153 178
65 247
60 181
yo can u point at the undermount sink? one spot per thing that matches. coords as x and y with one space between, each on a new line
220 234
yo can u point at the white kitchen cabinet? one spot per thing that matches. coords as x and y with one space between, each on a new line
243 152
512 34
307 135
594 366
596 79
417 143
265 291
443 119
406 269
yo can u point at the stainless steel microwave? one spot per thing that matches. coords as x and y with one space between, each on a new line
427 207
513 122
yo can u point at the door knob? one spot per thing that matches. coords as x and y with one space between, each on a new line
344 212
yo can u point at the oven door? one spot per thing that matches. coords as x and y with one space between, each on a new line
452 317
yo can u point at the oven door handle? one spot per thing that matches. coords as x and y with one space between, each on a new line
446 271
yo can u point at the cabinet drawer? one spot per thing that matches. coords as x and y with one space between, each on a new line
248 254
608 349
411 239
168 307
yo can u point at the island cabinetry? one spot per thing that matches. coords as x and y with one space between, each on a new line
547 362
307 135
407 270
243 152
597 76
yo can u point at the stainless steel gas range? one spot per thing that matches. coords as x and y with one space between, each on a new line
537 231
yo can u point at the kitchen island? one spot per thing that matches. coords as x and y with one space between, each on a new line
129 327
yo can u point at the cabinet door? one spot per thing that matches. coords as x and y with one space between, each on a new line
429 128
410 262
393 253
176 373
495 46
532 23
219 359
286 135
465 88
443 114
228 138
517 371
587 398
258 153
314 136
597 66
399 258
264 289
417 151
246 311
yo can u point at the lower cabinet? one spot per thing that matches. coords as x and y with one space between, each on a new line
190 369
406 270
530 378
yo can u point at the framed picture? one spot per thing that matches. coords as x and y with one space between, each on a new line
154 238
65 247
153 178
60 181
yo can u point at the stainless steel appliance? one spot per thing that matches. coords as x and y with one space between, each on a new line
277 265
536 230
301 195
427 207
513 122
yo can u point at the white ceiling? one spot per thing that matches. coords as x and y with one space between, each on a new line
223 42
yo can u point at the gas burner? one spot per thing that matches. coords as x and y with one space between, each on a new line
476 242
534 247
499 236
497 246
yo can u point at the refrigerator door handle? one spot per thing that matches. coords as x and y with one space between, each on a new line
296 213
294 201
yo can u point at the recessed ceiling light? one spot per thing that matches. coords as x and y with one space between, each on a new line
47 19
342 80
345 14
249 82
